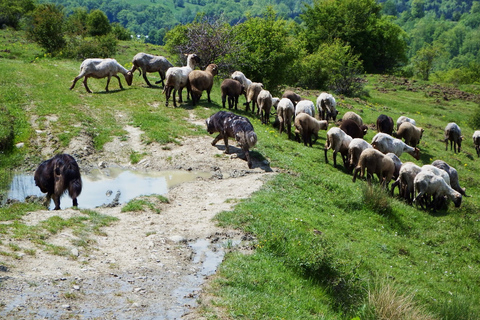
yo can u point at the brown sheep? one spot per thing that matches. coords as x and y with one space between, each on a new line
375 162
410 133
252 94
285 110
350 115
306 126
199 80
294 97
264 101
353 129
232 89
385 124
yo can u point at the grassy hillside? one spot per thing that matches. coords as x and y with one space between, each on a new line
324 244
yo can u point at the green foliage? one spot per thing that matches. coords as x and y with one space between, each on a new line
120 32
424 60
11 11
474 121
97 23
92 47
46 27
76 23
6 129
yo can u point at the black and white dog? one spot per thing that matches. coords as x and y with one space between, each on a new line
230 125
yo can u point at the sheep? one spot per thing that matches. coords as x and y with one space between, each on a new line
145 62
252 94
439 172
294 97
375 162
199 80
385 124
285 110
397 162
58 175
230 125
410 133
264 102
386 143
338 141
177 79
275 102
353 129
403 119
406 176
306 126
454 135
428 184
240 77
101 68
232 89
350 115
326 106
453 174
476 142
305 106
355 148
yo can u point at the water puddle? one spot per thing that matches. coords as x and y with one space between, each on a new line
101 187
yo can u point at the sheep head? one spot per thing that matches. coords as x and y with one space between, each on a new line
129 77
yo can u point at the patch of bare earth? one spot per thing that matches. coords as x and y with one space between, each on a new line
146 265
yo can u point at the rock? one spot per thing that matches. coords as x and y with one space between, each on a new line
75 252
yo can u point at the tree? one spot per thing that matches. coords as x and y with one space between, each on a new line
97 23
46 27
76 23
11 11
380 43
423 61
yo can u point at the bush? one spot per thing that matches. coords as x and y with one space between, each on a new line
11 11
120 32
46 27
98 24
6 130
474 120
97 47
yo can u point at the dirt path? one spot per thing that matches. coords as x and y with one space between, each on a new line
148 265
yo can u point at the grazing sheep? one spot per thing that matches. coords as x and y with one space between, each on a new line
102 68
353 129
476 141
375 162
405 181
177 79
454 135
326 106
240 77
386 143
385 124
275 102
338 141
199 80
294 97
355 148
230 125
252 94
232 89
409 133
453 174
264 101
397 162
428 184
403 119
58 175
306 126
350 115
145 62
285 110
305 106
439 172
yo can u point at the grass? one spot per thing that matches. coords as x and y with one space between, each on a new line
322 241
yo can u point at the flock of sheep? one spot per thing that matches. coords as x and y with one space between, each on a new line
429 186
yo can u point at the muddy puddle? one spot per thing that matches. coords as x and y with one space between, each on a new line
107 186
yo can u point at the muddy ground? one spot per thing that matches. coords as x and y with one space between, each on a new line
147 265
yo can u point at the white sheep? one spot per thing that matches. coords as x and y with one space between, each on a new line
145 62
454 135
439 172
177 79
102 68
403 119
338 141
305 106
201 80
350 115
397 162
405 181
428 184
240 77
410 133
386 143
476 141
285 110
453 174
264 101
326 106
375 162
306 126
252 94
355 149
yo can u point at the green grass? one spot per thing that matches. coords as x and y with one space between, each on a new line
322 241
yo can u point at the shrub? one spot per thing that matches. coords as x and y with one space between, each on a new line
46 27
98 24
376 199
120 32
97 47
6 130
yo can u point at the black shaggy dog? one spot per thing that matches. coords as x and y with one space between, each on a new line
231 125
57 175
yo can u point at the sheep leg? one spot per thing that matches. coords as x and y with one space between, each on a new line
180 99
355 172
145 78
208 96
75 81
224 99
162 78
85 85
56 200
249 160
334 158
48 198
119 82
174 100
